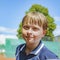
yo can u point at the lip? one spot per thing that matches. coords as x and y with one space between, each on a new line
28 37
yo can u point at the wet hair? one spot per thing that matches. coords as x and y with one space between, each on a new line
36 18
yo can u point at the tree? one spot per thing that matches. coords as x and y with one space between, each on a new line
19 35
51 24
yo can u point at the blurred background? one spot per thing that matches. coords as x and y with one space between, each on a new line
11 14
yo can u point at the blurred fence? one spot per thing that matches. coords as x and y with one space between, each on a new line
11 45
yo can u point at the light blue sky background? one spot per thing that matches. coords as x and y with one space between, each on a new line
12 12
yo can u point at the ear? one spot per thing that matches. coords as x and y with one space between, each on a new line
44 32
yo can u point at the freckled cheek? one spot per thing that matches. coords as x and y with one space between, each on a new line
36 35
24 32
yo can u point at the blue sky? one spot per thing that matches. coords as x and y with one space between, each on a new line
12 12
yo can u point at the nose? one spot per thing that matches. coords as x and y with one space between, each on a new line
29 31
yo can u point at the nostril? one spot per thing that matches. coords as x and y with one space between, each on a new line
29 34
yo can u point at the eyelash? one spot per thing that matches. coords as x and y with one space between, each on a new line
35 29
26 28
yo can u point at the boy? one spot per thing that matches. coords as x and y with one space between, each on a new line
34 26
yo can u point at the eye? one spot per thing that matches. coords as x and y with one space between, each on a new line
26 27
35 29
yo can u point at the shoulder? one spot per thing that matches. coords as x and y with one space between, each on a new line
46 53
18 48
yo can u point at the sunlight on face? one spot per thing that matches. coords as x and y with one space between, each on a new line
32 33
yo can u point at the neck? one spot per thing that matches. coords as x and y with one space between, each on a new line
30 47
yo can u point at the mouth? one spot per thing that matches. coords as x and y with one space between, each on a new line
29 37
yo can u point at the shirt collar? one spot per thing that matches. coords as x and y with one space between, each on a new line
35 51
23 47
38 49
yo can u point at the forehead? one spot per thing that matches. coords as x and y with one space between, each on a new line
31 25
31 21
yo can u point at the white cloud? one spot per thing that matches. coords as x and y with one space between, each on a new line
7 30
3 38
57 18
11 33
57 31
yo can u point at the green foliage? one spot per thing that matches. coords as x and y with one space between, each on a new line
39 8
19 35
51 24
2 46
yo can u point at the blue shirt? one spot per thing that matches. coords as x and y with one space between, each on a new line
39 53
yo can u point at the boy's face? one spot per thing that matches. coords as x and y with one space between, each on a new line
32 33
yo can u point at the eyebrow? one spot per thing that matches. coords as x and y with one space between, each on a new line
32 26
